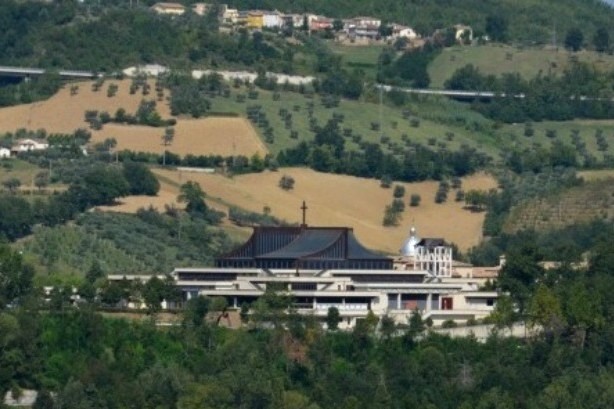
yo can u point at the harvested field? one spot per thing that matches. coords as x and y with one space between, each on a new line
207 136
63 113
337 200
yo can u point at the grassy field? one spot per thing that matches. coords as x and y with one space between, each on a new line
497 59
363 57
15 168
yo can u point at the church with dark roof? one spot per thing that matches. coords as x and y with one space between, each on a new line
304 247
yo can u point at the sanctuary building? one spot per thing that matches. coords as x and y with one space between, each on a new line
324 267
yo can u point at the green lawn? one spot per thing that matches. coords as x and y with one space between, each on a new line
15 168
363 57
498 59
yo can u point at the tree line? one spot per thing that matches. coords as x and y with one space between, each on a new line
580 92
77 358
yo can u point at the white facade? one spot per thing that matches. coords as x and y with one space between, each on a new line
397 293
201 8
434 256
230 16
5 153
404 32
173 9
26 145
272 19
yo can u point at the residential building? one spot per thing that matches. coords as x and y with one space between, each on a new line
294 20
272 19
363 27
399 31
173 9
201 8
26 145
255 20
320 23
230 16
242 17
463 34
5 153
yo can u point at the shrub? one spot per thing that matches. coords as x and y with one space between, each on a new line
386 182
286 182
398 205
399 191
528 129
441 196
414 200
449 324
391 217
414 123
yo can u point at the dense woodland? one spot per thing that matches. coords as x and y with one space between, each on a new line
87 361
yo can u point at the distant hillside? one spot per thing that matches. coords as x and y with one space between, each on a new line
581 204
497 59
530 21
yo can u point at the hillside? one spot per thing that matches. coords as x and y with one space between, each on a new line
529 21
592 200
336 200
497 59
65 112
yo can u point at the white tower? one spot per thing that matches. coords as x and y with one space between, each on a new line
409 247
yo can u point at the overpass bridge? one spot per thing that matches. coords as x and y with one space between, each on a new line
473 94
28 72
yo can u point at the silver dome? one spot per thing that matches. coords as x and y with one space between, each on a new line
409 247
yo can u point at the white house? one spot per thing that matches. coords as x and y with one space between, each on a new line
463 34
272 19
172 9
5 153
201 8
399 31
26 145
230 16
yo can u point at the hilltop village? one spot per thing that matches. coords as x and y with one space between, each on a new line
356 30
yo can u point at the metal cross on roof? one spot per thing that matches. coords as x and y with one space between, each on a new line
304 209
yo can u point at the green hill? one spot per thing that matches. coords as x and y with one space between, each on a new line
497 59
581 204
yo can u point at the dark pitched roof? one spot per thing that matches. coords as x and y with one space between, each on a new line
307 243
337 243
430 243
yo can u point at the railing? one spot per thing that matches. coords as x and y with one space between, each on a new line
344 307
